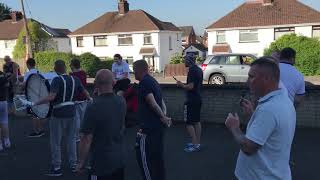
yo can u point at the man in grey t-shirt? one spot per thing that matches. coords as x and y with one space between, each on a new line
265 148
102 131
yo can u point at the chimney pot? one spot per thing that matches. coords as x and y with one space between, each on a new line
123 7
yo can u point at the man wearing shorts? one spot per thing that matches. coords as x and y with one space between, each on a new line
4 129
192 106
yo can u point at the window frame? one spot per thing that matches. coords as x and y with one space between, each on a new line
249 31
77 40
105 37
147 35
283 29
218 34
170 43
11 44
125 36
315 28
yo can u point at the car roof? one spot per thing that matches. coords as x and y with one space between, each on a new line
229 54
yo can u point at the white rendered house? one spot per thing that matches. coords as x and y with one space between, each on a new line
254 25
134 34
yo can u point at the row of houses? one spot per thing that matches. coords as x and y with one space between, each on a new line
136 34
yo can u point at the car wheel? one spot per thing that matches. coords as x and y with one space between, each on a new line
217 79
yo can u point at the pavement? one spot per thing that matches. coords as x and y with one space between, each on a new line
29 158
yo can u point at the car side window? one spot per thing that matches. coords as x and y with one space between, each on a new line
214 60
233 60
246 60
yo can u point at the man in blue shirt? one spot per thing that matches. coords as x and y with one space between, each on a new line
149 141
192 106
265 148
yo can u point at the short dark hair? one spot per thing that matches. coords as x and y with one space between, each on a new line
59 65
141 64
75 63
118 56
287 53
272 69
31 62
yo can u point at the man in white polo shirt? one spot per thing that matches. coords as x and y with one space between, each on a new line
265 148
121 73
292 79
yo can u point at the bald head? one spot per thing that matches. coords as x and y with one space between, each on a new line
104 77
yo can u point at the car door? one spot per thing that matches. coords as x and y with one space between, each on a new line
245 61
231 68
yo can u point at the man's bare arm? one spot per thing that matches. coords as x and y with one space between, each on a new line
247 146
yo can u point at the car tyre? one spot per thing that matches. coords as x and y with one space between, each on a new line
217 79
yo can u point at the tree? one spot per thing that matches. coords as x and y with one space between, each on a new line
4 12
308 52
40 40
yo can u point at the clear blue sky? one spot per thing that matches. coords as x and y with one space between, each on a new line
73 14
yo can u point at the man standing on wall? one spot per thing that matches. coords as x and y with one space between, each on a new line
192 107
151 114
121 72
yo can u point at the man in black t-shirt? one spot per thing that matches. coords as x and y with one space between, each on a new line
4 127
62 92
192 106
149 140
102 131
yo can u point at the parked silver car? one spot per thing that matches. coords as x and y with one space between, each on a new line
225 68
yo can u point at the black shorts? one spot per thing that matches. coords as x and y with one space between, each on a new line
192 112
121 85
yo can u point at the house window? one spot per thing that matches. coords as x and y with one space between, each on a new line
125 39
79 41
221 37
9 44
248 35
147 39
100 40
170 43
278 32
316 32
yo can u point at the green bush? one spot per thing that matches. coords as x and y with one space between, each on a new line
45 60
106 65
308 52
90 63
177 59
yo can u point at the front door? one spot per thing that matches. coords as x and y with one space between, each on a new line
151 63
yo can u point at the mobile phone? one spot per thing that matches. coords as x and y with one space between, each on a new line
174 78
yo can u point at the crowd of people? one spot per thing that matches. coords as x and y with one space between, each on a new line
98 121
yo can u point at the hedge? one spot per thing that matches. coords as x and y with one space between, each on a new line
45 60
308 52
89 62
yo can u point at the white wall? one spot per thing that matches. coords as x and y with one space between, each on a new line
62 44
6 51
127 51
165 52
265 36
304 31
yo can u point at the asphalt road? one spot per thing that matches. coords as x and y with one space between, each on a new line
29 158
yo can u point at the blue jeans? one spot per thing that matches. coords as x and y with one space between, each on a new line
57 127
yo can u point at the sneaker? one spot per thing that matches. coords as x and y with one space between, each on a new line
73 168
192 149
41 133
189 145
54 172
34 135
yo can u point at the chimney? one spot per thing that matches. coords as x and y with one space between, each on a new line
267 2
123 7
16 16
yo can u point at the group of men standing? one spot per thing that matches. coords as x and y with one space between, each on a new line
265 148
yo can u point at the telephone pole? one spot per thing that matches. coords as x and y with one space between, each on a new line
28 39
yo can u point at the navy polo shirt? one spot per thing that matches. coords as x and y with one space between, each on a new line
149 121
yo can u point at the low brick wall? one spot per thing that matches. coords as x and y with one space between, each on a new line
218 101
